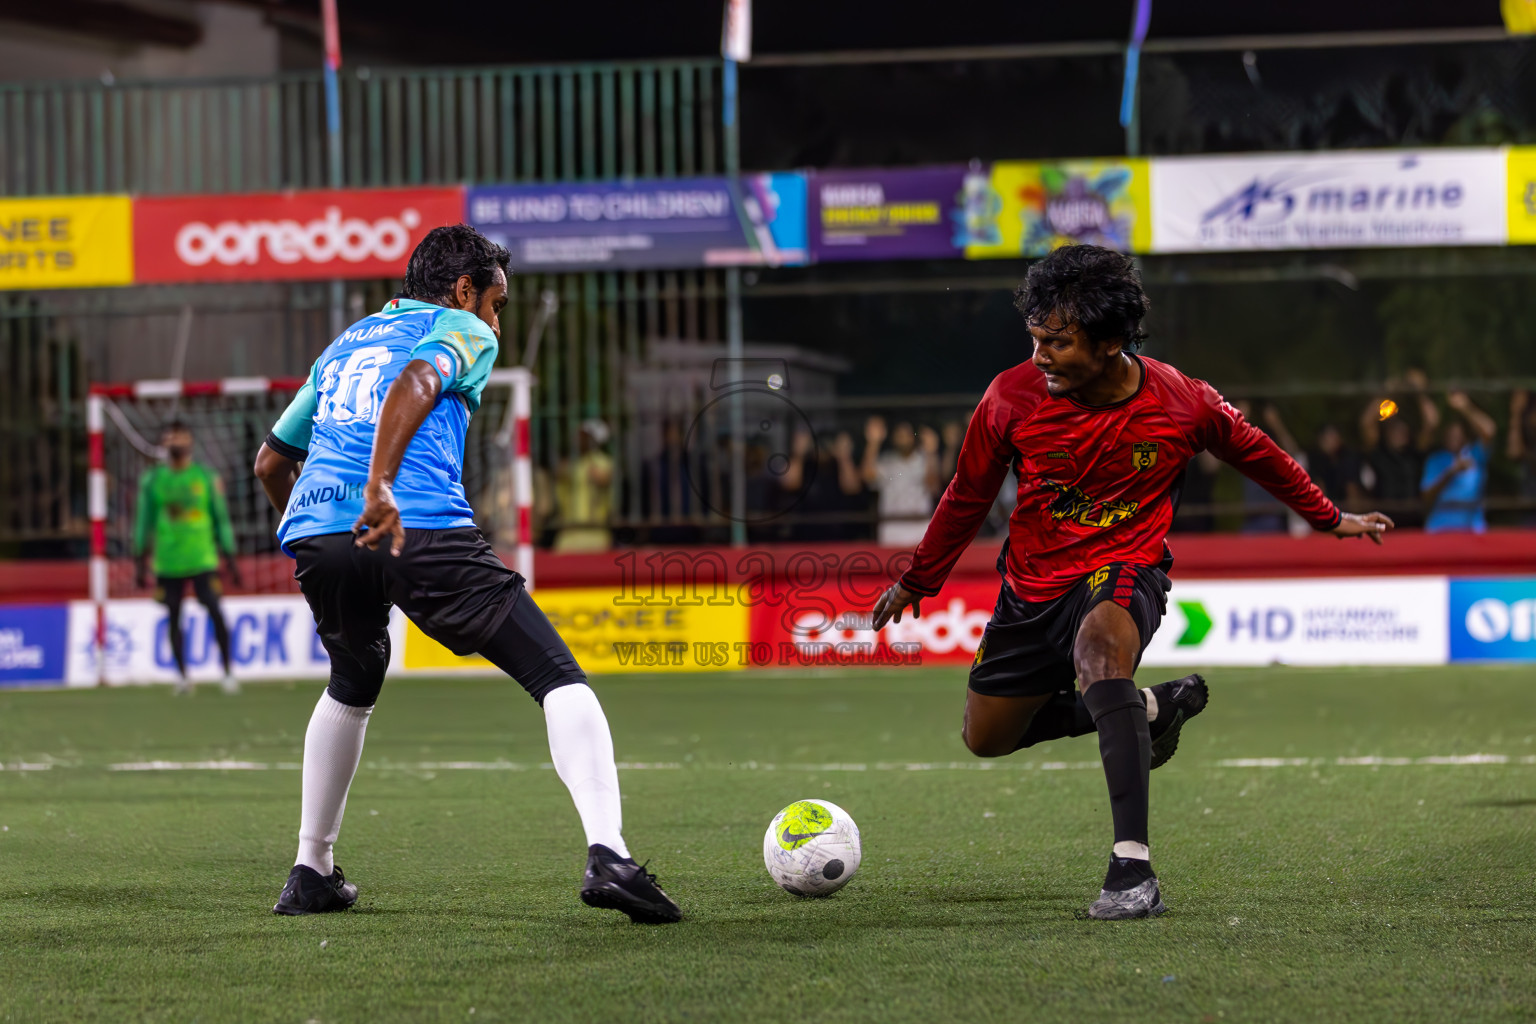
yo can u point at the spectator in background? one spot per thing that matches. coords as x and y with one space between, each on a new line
833 503
1261 512
1456 476
585 494
1394 459
906 479
952 436
1521 449
1335 468
667 498
1199 494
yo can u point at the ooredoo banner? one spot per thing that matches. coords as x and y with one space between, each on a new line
1330 200
286 236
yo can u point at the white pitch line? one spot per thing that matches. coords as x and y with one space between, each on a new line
25 766
764 766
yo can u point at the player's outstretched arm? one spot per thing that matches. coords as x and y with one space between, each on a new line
406 406
1368 524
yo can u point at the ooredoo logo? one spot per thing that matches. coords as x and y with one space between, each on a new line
287 241
286 236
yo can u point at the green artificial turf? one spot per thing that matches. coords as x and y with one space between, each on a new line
1313 891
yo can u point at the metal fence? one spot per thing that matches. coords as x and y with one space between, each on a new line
400 127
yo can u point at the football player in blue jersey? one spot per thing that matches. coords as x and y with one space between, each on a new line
377 516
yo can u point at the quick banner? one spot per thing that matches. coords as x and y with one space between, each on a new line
271 637
287 236
66 242
1329 200
756 220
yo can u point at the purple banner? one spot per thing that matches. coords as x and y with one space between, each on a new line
888 214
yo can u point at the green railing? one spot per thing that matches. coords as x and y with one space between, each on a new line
399 127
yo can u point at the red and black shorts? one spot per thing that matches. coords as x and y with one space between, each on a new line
1026 650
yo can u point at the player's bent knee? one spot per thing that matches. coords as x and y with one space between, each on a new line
982 744
355 693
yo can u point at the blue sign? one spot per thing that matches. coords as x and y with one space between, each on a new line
32 642
1493 619
756 220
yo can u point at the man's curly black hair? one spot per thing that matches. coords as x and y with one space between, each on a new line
1094 286
448 253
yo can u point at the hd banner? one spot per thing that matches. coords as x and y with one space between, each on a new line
1330 200
755 220
286 236
65 242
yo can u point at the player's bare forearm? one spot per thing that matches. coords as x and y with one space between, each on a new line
277 473
407 405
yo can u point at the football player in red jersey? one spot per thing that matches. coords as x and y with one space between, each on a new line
1099 438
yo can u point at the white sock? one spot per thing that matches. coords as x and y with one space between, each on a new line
1133 851
333 745
1151 699
582 749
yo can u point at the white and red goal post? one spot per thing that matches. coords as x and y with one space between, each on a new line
229 420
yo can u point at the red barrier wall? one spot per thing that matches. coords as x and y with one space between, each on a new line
1202 556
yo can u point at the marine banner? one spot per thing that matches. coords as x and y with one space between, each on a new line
755 220
1038 206
66 242
1340 200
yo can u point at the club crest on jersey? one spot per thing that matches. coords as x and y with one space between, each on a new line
1144 455
444 366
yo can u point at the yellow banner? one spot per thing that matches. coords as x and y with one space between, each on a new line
66 242
607 637
1042 205
1522 195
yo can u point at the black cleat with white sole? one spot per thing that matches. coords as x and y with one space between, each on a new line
618 883
307 891
1177 702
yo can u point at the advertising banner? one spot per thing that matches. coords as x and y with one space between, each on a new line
286 236
1040 206
1522 195
1329 200
686 222
271 638
1493 619
606 636
914 213
1398 620
66 242
830 626
32 644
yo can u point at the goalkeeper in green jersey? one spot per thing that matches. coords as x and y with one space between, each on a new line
184 520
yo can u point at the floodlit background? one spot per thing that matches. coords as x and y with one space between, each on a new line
763 275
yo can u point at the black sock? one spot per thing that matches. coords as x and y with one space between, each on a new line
1125 747
221 634
177 640
1064 715
1127 873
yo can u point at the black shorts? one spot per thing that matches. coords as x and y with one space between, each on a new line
172 590
1026 650
449 582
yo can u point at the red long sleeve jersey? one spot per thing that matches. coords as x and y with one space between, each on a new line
1096 484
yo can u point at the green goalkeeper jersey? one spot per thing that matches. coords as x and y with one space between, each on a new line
184 511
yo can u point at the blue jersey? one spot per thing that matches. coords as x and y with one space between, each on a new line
330 423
